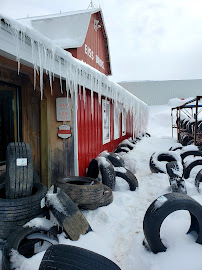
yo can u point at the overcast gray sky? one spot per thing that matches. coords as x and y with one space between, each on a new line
148 39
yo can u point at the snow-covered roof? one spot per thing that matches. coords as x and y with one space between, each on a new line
33 49
67 30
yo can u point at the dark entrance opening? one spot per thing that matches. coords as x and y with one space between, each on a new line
10 115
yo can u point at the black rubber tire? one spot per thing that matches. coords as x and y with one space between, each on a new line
130 147
154 160
121 149
188 169
65 257
36 178
18 241
106 199
178 185
191 153
19 179
82 190
70 218
108 175
116 160
130 179
93 169
185 140
16 212
198 179
173 165
178 146
154 218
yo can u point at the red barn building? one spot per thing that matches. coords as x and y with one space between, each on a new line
99 114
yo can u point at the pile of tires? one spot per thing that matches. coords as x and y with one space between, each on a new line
20 194
160 209
107 166
86 192
187 126
129 144
178 162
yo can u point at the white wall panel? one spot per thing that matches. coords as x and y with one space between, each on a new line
159 92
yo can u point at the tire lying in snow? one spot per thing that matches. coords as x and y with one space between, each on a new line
16 212
68 215
198 179
161 208
106 199
19 170
105 168
175 171
116 160
127 145
65 257
122 149
191 153
28 241
93 169
128 176
177 146
156 165
189 167
82 190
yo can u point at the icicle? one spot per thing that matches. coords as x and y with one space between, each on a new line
40 68
60 75
91 89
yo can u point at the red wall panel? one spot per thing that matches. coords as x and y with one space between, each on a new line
90 131
93 46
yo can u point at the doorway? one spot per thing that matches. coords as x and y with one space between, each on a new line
10 115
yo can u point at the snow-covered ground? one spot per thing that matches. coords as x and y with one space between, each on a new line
118 228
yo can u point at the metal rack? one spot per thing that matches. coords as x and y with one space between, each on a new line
191 109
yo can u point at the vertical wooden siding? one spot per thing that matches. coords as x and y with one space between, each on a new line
90 131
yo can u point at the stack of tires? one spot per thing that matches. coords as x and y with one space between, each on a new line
187 126
86 192
21 194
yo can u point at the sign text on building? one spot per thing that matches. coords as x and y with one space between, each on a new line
63 109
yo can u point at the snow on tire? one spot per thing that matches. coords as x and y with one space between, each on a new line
115 160
65 257
176 146
25 241
122 149
102 169
67 214
189 166
195 153
175 171
128 176
19 170
164 206
156 164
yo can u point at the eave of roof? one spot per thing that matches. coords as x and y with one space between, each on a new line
71 41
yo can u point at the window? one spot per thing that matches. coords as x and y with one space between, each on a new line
105 121
123 122
116 122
